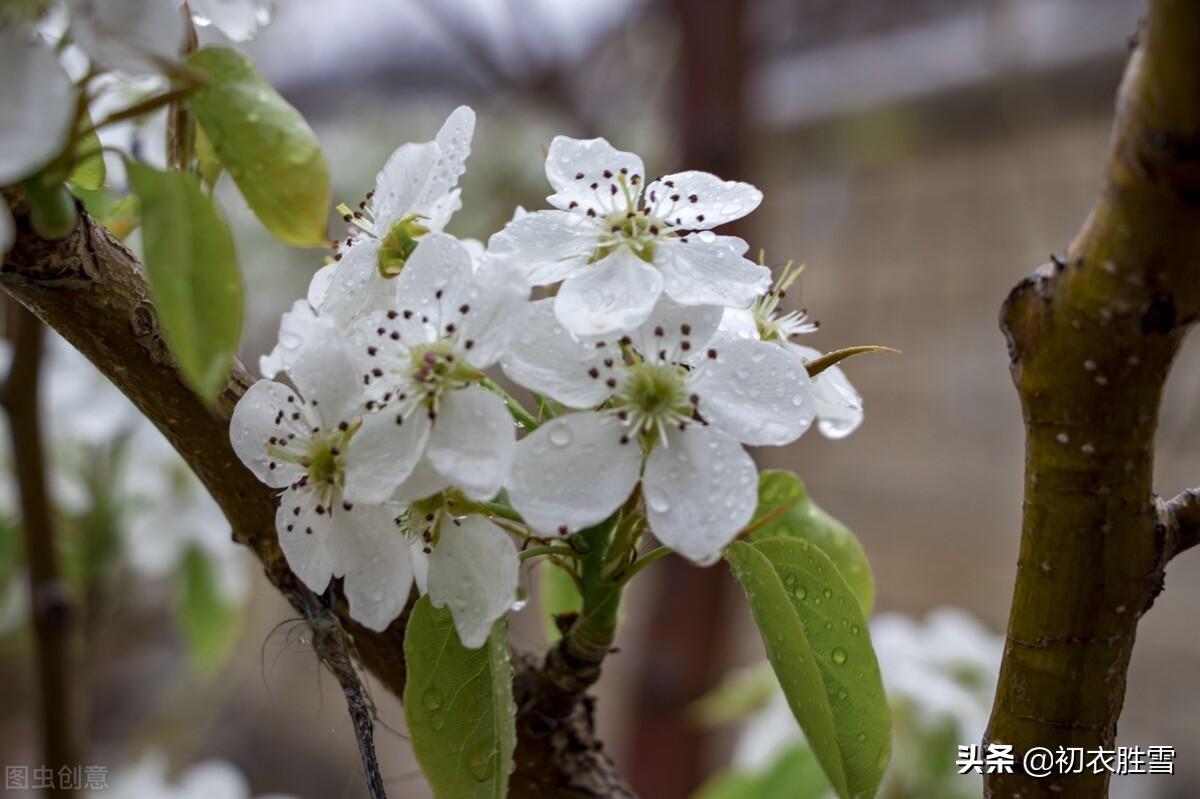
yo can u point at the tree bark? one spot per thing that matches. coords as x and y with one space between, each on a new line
91 290
1091 339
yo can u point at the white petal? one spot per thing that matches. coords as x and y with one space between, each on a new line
353 287
326 372
39 103
454 145
756 392
128 34
839 406
238 20
383 452
547 245
618 293
424 481
710 270
474 570
436 280
496 297
294 329
738 323
420 564
473 442
262 413
8 231
374 556
304 536
573 166
699 201
700 489
545 358
401 181
573 472
675 332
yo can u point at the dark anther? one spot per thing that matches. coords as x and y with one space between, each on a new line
712 353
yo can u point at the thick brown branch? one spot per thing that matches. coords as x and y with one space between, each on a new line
54 616
1091 338
90 289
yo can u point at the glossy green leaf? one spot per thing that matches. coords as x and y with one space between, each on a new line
459 706
817 641
793 774
89 171
209 623
265 145
208 164
804 519
558 594
193 274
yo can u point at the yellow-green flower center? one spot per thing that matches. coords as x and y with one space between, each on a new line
398 244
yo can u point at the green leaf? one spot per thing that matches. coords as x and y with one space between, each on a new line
193 274
209 623
558 594
794 774
89 171
265 145
208 165
817 641
459 706
117 213
804 519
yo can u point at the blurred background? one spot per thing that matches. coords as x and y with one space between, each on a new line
920 157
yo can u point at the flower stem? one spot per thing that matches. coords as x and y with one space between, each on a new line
565 552
522 416
51 208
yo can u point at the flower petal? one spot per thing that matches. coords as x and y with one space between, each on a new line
423 481
699 201
587 172
839 406
294 330
473 442
39 103
710 270
497 296
545 358
474 570
264 412
547 245
401 182
756 392
128 35
572 472
304 537
436 280
327 373
383 453
700 489
353 287
374 556
438 199
675 332
618 293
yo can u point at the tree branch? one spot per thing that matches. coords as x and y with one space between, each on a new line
1181 517
91 290
54 615
1091 339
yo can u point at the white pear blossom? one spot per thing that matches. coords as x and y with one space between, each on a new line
38 99
465 562
133 36
425 362
839 406
415 193
617 244
675 409
310 441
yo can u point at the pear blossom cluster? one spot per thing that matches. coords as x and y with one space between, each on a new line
653 349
